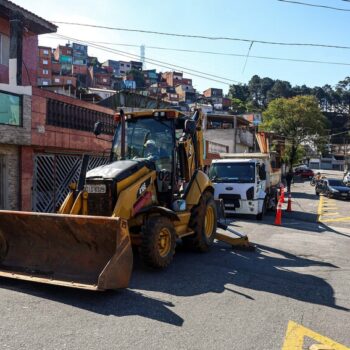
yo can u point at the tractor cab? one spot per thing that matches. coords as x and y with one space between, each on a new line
158 138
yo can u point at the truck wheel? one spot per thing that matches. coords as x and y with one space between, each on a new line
203 223
158 242
263 212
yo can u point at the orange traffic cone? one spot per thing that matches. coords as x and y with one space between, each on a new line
282 194
289 206
278 218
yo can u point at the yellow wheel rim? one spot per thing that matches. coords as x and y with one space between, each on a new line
209 221
164 242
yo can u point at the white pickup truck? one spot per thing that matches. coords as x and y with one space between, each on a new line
245 182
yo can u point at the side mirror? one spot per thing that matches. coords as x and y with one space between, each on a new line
190 127
97 128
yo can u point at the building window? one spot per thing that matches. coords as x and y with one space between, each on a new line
10 109
45 82
57 80
45 71
45 52
122 64
4 49
69 81
45 62
104 80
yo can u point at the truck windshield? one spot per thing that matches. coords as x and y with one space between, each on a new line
146 138
232 172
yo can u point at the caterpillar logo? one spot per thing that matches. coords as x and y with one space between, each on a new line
143 187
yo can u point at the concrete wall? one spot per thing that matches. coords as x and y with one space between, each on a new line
10 181
226 137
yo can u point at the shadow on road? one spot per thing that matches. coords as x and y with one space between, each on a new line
303 195
267 270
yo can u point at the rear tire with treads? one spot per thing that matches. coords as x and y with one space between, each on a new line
203 223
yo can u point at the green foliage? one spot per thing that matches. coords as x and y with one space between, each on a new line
298 157
238 106
298 119
259 92
239 91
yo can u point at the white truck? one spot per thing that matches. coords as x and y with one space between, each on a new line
246 183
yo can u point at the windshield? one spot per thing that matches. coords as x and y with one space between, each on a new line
232 172
336 183
147 138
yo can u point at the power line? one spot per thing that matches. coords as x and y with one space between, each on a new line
223 53
315 5
205 37
163 64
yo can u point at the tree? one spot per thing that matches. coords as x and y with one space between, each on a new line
280 89
238 106
254 87
298 119
239 91
343 91
266 85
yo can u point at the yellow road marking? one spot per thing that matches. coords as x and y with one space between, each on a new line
347 218
294 338
325 207
319 209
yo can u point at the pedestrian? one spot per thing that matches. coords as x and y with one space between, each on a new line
289 179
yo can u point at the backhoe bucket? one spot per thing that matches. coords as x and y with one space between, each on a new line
88 252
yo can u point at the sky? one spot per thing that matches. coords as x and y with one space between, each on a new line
266 20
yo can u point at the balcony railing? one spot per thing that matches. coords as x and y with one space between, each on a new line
70 116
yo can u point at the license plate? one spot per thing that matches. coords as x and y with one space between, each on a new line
95 188
344 194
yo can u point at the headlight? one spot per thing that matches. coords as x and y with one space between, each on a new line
334 190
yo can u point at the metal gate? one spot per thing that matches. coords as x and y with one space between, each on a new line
52 175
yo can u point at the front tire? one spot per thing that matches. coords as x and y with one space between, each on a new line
203 223
158 242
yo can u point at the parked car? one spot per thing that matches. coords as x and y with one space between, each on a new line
333 188
347 178
300 167
304 173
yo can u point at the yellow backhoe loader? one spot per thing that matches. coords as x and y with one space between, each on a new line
152 192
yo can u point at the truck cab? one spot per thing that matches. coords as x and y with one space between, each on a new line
245 185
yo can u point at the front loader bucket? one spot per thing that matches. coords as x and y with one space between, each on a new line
88 252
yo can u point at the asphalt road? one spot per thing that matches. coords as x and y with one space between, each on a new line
224 299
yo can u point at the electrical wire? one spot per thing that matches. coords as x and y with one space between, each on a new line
315 5
163 64
220 53
204 36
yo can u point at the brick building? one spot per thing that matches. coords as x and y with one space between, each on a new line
61 131
42 134
19 30
214 95
44 71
